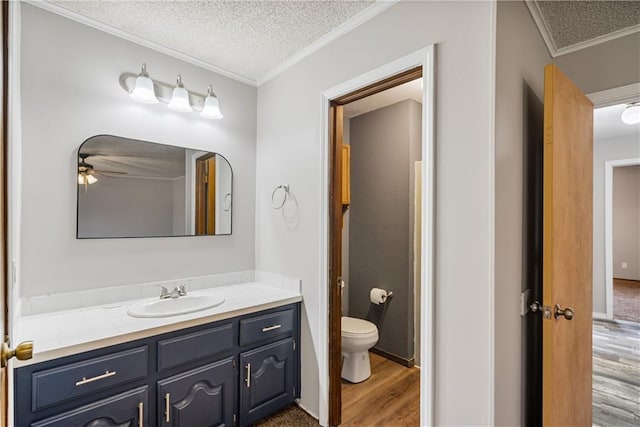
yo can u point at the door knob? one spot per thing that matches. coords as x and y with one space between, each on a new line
567 312
23 351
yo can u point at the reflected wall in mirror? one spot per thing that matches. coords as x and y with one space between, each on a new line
132 188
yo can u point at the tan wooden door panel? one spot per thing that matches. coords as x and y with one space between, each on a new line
568 251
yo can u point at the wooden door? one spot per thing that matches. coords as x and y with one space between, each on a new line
335 265
4 326
567 252
206 195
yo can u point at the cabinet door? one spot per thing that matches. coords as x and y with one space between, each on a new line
266 380
127 409
202 397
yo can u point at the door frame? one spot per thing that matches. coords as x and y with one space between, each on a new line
606 98
608 227
426 59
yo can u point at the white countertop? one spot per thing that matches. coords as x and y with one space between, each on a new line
70 332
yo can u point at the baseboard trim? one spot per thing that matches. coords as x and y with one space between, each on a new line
600 316
409 363
634 281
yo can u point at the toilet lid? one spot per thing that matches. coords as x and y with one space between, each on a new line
352 326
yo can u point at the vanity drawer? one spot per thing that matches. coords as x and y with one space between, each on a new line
191 347
56 385
260 328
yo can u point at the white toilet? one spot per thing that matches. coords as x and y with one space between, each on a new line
358 336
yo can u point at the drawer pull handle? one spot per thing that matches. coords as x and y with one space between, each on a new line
271 328
167 398
248 379
86 380
141 414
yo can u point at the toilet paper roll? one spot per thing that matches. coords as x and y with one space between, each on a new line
378 296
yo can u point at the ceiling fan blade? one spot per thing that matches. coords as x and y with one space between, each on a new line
111 172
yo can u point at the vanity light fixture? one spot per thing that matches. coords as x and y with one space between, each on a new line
180 98
631 114
211 109
143 89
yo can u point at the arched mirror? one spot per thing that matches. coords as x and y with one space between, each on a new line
132 188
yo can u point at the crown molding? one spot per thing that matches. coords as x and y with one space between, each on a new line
58 10
618 95
554 51
542 27
355 21
598 40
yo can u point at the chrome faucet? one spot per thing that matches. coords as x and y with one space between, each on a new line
178 291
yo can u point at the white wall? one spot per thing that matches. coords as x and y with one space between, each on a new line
223 204
626 147
70 91
289 141
179 206
126 207
521 57
626 222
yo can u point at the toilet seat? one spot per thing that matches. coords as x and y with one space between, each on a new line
357 328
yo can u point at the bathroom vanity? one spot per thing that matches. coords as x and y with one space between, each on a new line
235 366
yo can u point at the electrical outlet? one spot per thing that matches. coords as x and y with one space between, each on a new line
624 264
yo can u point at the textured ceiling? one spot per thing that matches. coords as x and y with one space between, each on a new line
248 38
573 22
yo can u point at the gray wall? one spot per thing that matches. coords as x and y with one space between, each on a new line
70 91
604 66
626 222
624 147
384 144
521 57
123 206
346 140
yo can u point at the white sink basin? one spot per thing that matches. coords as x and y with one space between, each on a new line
174 306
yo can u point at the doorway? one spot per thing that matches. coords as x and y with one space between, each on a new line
391 75
381 195
616 325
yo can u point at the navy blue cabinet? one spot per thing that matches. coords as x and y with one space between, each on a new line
126 409
267 380
200 397
226 373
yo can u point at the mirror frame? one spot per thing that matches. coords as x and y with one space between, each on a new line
78 189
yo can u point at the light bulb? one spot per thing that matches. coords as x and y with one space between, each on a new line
85 178
631 114
211 108
180 98
143 89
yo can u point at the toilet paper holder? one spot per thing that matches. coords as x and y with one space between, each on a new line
380 296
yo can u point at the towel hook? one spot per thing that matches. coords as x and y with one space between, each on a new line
285 189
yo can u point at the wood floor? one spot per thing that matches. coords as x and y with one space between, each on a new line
390 397
616 373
